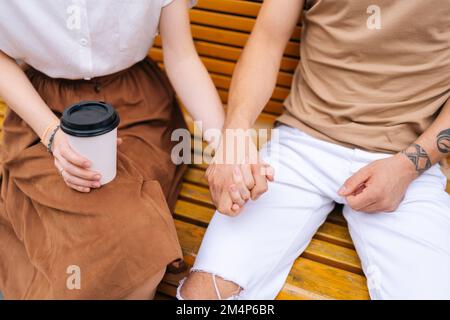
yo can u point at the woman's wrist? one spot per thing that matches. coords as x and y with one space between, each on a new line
51 139
49 131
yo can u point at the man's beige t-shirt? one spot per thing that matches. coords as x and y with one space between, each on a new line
373 74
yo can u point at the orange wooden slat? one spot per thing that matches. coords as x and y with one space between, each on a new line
223 67
237 7
230 22
233 38
208 49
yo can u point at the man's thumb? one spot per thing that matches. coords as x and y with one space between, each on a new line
353 183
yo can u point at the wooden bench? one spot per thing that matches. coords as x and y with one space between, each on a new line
329 268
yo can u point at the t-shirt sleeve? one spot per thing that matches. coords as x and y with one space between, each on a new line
191 3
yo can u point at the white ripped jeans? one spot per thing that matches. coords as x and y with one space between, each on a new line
404 254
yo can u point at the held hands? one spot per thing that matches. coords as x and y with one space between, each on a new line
74 168
379 186
233 182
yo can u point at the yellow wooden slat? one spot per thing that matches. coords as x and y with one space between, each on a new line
222 67
336 234
219 51
264 121
273 107
236 7
233 38
333 255
2 108
223 82
197 176
318 280
242 8
230 22
2 118
195 193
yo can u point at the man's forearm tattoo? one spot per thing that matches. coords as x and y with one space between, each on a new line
443 141
419 157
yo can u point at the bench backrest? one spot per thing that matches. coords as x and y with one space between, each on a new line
221 29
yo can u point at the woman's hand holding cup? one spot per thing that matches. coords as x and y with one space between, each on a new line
84 145
74 168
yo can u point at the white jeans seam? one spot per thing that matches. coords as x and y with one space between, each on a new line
359 231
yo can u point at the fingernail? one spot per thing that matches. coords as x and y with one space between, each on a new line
342 189
237 171
97 177
96 185
233 188
86 164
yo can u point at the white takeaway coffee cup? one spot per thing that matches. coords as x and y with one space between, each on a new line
91 127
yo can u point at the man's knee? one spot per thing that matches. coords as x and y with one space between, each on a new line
205 286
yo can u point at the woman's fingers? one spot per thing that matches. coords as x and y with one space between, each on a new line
235 196
260 182
73 181
58 165
235 208
70 179
71 156
73 186
247 175
73 167
79 172
268 170
240 184
78 188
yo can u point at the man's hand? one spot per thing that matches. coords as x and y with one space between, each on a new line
232 186
379 186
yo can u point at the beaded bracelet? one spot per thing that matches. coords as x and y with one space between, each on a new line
51 139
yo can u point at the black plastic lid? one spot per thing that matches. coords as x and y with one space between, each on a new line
89 119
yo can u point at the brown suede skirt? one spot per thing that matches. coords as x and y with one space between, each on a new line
113 238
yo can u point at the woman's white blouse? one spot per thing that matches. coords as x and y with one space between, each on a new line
79 39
